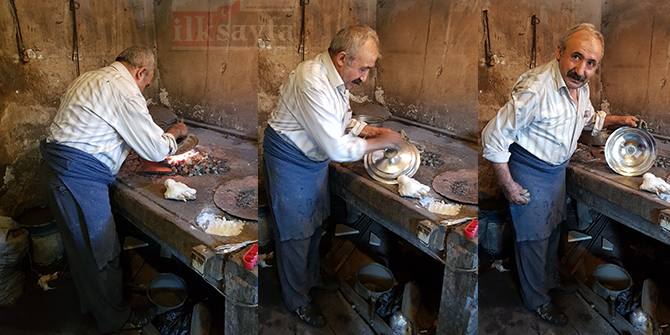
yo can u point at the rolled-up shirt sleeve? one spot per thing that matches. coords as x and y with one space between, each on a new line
595 120
356 126
503 129
139 131
325 128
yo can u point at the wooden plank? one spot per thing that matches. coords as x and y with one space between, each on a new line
241 288
458 306
342 319
582 317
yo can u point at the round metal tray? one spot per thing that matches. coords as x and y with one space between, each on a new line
630 151
389 164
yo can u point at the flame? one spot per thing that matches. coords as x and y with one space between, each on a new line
180 158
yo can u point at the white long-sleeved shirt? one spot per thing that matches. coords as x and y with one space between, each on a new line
313 112
541 117
104 114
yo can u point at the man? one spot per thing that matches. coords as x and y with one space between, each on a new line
102 116
530 142
305 132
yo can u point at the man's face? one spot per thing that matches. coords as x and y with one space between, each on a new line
357 72
145 78
580 59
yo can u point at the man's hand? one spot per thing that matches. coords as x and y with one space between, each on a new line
514 193
369 132
178 129
387 138
620 120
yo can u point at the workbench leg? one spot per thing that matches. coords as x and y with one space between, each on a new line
458 307
241 292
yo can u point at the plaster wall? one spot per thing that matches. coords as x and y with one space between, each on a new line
511 34
208 61
428 72
281 52
30 92
636 65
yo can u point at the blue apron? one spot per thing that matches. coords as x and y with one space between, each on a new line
297 188
546 184
88 180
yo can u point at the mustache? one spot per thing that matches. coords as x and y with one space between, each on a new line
572 74
357 81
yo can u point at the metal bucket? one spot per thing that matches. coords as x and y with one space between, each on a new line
497 231
46 244
609 281
373 280
167 291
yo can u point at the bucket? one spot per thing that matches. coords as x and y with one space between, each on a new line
609 281
373 280
46 243
264 225
167 291
497 232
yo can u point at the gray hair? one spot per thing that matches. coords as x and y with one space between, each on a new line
582 26
351 40
138 56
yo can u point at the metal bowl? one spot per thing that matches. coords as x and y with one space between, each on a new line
389 164
630 151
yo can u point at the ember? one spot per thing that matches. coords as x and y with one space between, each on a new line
193 163
430 158
246 198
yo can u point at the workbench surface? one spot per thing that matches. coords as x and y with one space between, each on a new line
139 197
618 197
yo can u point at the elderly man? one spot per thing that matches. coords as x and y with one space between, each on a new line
102 116
530 142
305 132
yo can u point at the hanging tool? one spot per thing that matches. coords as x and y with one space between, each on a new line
487 41
533 55
23 54
75 40
304 4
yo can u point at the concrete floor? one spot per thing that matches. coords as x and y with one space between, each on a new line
502 312
57 312
275 319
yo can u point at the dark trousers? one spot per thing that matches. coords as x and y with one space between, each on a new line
100 291
537 264
298 267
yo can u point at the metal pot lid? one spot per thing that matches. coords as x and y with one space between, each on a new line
630 151
389 164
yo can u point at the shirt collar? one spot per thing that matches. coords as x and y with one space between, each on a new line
125 74
333 76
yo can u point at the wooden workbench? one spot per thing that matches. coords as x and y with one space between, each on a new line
409 220
139 198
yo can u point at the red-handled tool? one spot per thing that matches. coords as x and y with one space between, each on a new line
251 257
471 229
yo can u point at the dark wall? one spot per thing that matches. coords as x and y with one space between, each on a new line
636 65
428 72
30 92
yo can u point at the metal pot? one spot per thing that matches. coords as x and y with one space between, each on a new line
631 151
389 164
609 281
598 140
373 280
